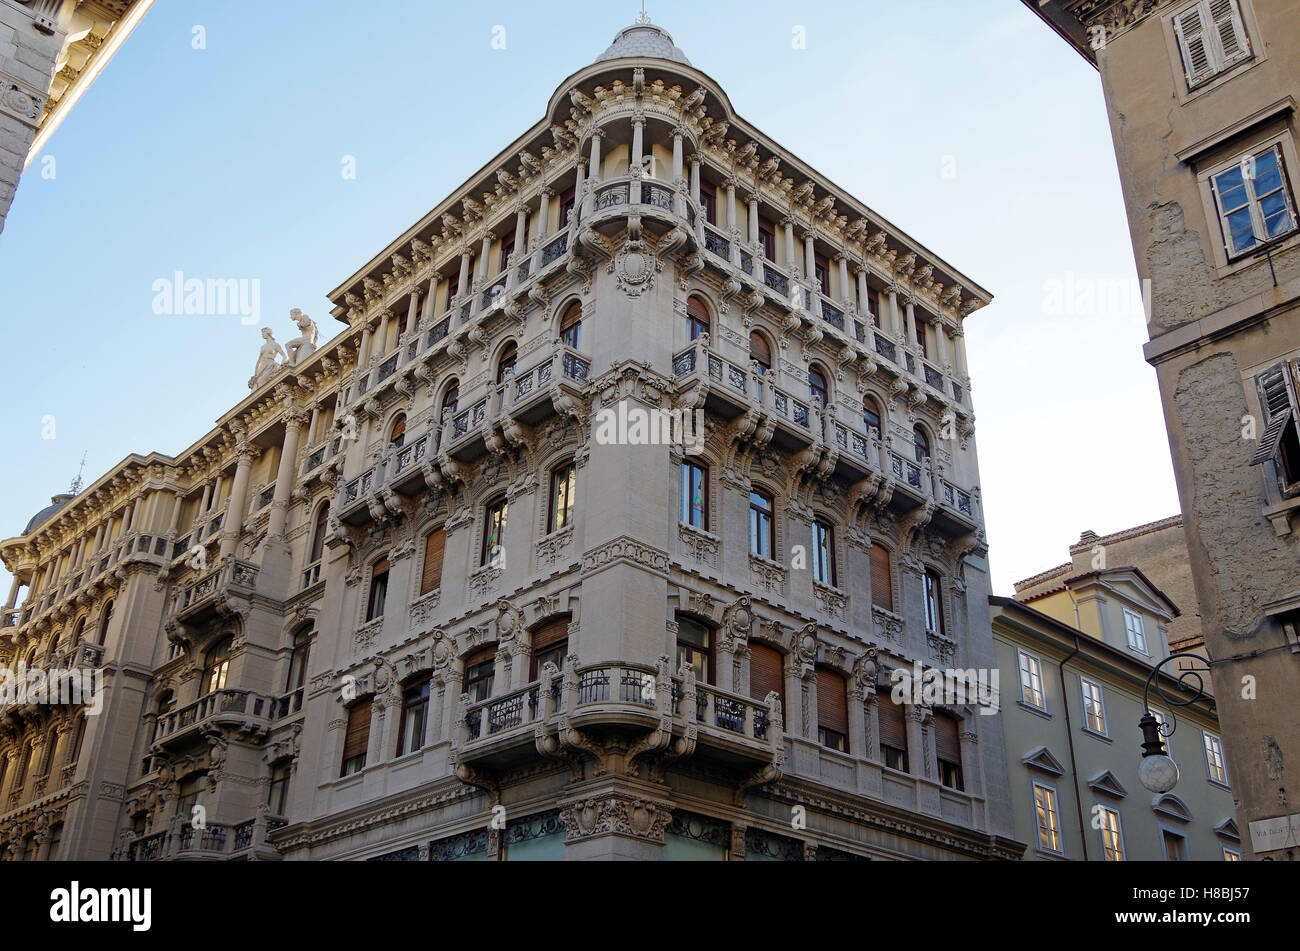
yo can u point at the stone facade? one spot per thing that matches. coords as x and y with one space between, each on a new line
1201 98
50 52
410 600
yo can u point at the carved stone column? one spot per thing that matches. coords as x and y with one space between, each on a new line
234 521
294 417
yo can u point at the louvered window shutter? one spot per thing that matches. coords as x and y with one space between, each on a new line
1229 31
1277 397
357 738
832 702
765 673
434 546
882 586
1198 56
947 745
893 726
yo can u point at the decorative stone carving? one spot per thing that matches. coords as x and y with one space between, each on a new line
616 814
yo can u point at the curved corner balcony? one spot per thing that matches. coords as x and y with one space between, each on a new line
238 711
631 700
199 600
659 205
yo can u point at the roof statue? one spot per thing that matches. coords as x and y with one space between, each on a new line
267 365
304 345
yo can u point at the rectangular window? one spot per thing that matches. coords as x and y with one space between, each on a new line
1094 709
709 202
823 553
1031 681
892 719
1112 839
1231 855
933 604
882 580
1254 201
1280 441
415 713
873 305
1214 759
453 288
1049 818
947 745
193 792
566 207
695 495
1173 846
832 711
277 796
480 674
378 590
920 337
767 238
562 489
494 528
822 271
760 524
356 739
1211 37
695 648
1137 638
550 643
435 546
507 249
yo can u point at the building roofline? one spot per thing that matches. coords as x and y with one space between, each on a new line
1054 14
1083 576
1127 533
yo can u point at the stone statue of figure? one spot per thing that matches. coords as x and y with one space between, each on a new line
266 362
304 345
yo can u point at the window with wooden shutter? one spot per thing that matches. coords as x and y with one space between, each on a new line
1279 442
947 745
356 739
893 732
882 582
571 326
480 672
697 318
550 642
1211 37
765 673
435 545
832 711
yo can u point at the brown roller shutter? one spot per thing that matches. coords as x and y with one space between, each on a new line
882 587
550 634
893 726
832 703
946 743
357 737
765 673
571 316
434 547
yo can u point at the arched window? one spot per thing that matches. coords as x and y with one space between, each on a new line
77 631
105 616
550 643
451 396
571 326
480 670
318 529
216 666
397 434
563 488
922 444
760 524
933 604
871 416
760 351
506 362
695 647
697 318
817 385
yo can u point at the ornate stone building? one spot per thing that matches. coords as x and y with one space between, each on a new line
1202 96
50 53
638 464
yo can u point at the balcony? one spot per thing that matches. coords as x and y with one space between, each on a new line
536 392
214 842
198 600
654 710
657 203
241 711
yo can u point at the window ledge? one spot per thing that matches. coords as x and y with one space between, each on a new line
1036 711
1281 514
1097 736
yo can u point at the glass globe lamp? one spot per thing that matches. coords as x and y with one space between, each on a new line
1157 772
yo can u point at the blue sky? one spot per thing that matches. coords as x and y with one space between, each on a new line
967 123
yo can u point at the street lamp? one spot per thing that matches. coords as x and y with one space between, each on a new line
1157 772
